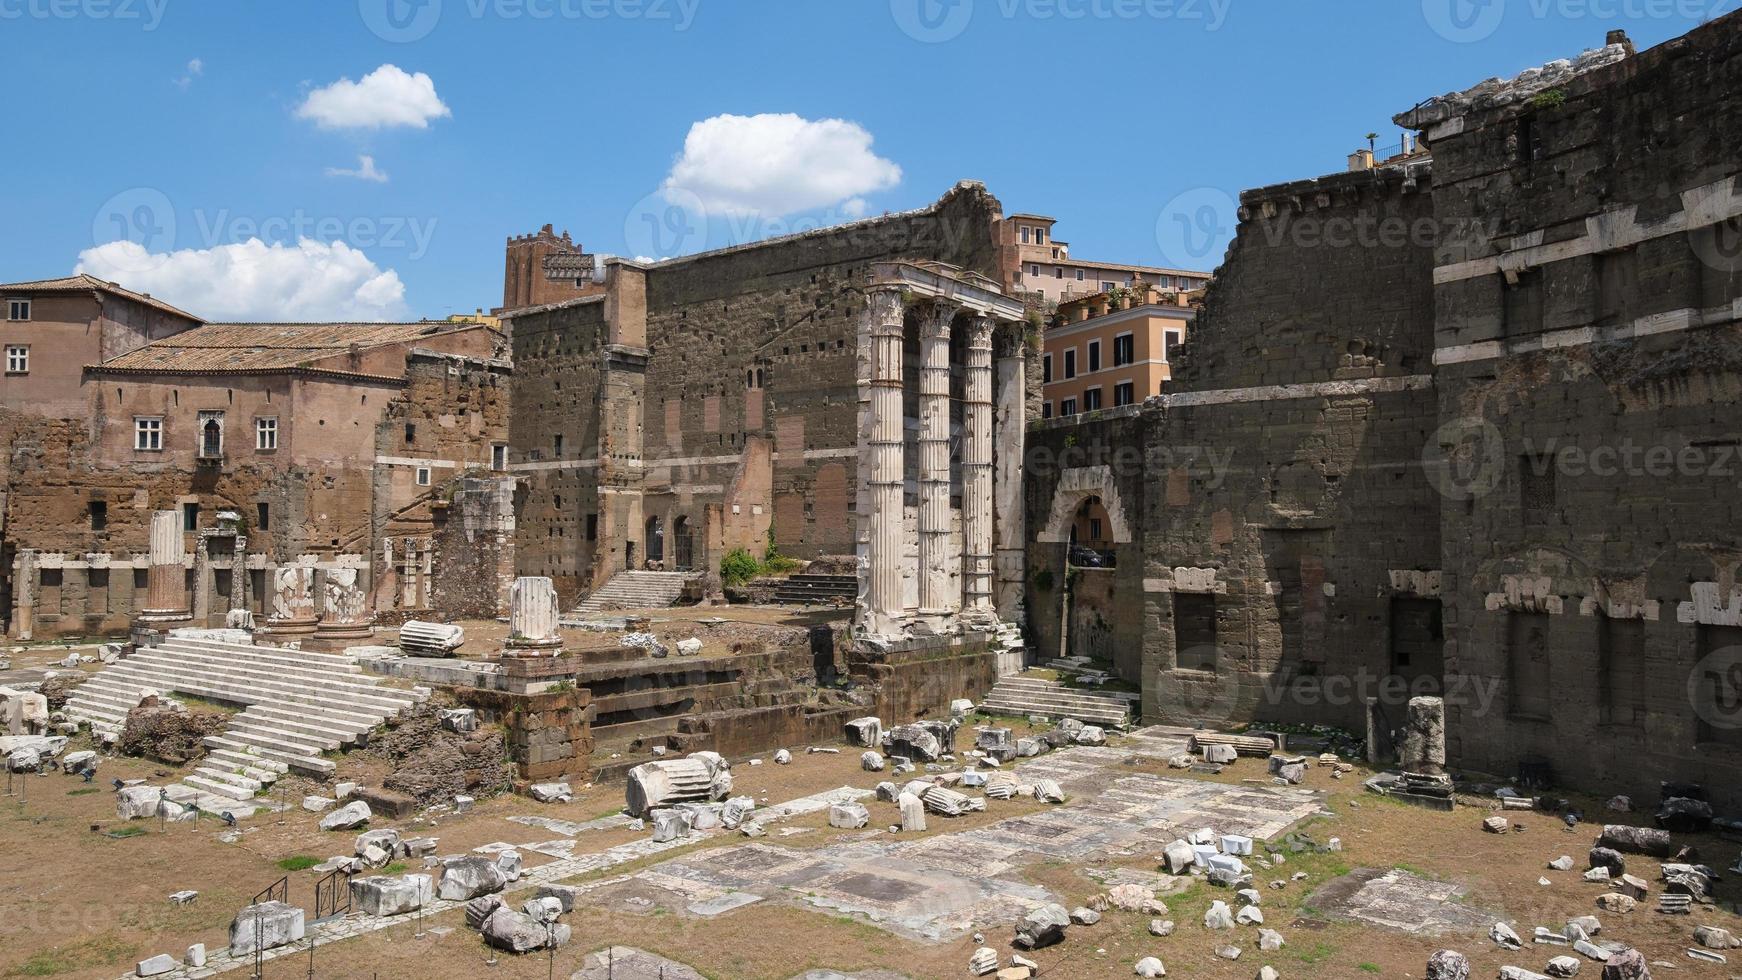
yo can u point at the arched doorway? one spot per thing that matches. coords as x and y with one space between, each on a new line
683 544
655 538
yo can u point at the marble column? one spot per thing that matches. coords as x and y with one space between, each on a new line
166 598
977 470
883 600
293 601
345 609
934 463
532 617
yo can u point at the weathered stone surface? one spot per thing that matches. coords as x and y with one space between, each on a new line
1042 927
915 742
384 896
156 966
912 813
1219 916
1149 966
516 932
1637 840
348 817
848 816
1616 902
1562 966
551 792
268 925
1629 964
698 776
138 802
468 877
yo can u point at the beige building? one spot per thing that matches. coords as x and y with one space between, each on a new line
1111 349
52 328
1037 264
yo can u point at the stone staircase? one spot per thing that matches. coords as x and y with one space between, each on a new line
296 705
802 590
1019 694
635 590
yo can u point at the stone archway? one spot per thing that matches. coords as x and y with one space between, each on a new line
1087 595
1075 486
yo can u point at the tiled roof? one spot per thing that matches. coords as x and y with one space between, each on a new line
230 347
82 282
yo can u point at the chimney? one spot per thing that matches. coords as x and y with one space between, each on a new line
1361 160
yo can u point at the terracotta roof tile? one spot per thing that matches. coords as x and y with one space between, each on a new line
82 282
270 346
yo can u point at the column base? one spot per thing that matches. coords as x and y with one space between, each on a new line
164 619
532 648
290 627
341 631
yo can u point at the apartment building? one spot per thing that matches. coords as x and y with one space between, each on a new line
1037 264
1110 349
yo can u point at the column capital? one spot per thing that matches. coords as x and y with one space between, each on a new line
938 319
980 332
886 308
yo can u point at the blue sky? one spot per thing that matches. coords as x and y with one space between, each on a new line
189 127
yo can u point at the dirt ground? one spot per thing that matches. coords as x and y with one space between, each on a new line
76 903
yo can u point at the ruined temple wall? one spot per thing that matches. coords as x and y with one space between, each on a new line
747 406
558 358
1589 376
1276 505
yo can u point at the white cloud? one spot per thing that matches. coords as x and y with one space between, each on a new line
778 164
195 69
365 170
309 281
385 97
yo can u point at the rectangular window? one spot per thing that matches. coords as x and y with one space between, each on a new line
1046 368
1124 350
1070 363
1059 272
1094 356
1107 285
1194 630
1092 400
410 433
262 516
190 517
1169 340
499 457
1068 407
1536 490
1040 236
266 434
1046 410
17 359
1417 639
148 434
1527 652
1025 234
1079 275
592 527
1621 670
423 476
99 511
18 309
556 446
1034 270
211 435
1123 394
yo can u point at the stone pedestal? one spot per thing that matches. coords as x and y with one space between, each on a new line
166 598
293 601
1423 745
532 618
346 614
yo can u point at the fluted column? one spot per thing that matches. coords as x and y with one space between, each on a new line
166 599
532 616
977 469
934 463
345 613
884 440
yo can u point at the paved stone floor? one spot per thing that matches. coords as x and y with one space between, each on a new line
934 888
1399 900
